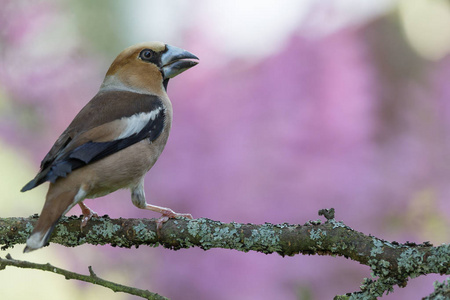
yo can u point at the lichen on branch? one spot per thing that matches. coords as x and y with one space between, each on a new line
393 263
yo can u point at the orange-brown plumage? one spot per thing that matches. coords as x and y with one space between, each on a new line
115 139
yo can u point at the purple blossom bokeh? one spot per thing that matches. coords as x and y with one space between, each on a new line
317 125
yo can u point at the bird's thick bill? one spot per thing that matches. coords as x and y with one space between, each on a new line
176 60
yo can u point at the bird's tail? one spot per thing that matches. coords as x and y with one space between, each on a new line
40 178
55 206
32 184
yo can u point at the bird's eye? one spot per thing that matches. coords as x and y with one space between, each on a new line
146 54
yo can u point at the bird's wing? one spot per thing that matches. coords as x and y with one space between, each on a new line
110 122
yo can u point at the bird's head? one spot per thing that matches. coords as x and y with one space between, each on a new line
147 67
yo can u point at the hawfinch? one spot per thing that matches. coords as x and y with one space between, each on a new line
114 140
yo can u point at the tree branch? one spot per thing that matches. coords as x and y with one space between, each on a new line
441 291
393 263
92 278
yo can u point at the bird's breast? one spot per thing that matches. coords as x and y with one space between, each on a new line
123 169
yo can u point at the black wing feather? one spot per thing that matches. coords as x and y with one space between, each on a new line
93 151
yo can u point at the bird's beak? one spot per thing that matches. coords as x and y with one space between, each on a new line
174 61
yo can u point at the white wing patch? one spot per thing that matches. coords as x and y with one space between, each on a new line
136 122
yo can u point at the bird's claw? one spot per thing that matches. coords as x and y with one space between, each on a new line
87 217
169 214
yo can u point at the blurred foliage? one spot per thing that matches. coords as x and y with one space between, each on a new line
98 22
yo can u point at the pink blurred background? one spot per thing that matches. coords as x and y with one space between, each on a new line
294 107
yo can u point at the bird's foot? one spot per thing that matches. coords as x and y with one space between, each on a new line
87 214
167 214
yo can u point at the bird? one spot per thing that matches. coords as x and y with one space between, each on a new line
114 140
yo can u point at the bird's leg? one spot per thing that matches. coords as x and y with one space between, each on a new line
138 199
87 214
167 214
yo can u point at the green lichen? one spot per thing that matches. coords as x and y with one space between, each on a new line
284 225
226 237
439 260
266 239
143 233
220 236
379 267
65 235
317 234
236 225
441 290
106 232
372 289
409 261
24 234
200 228
337 224
29 228
377 247
219 233
62 230
315 222
384 264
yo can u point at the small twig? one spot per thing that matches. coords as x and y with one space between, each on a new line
327 213
91 272
92 278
